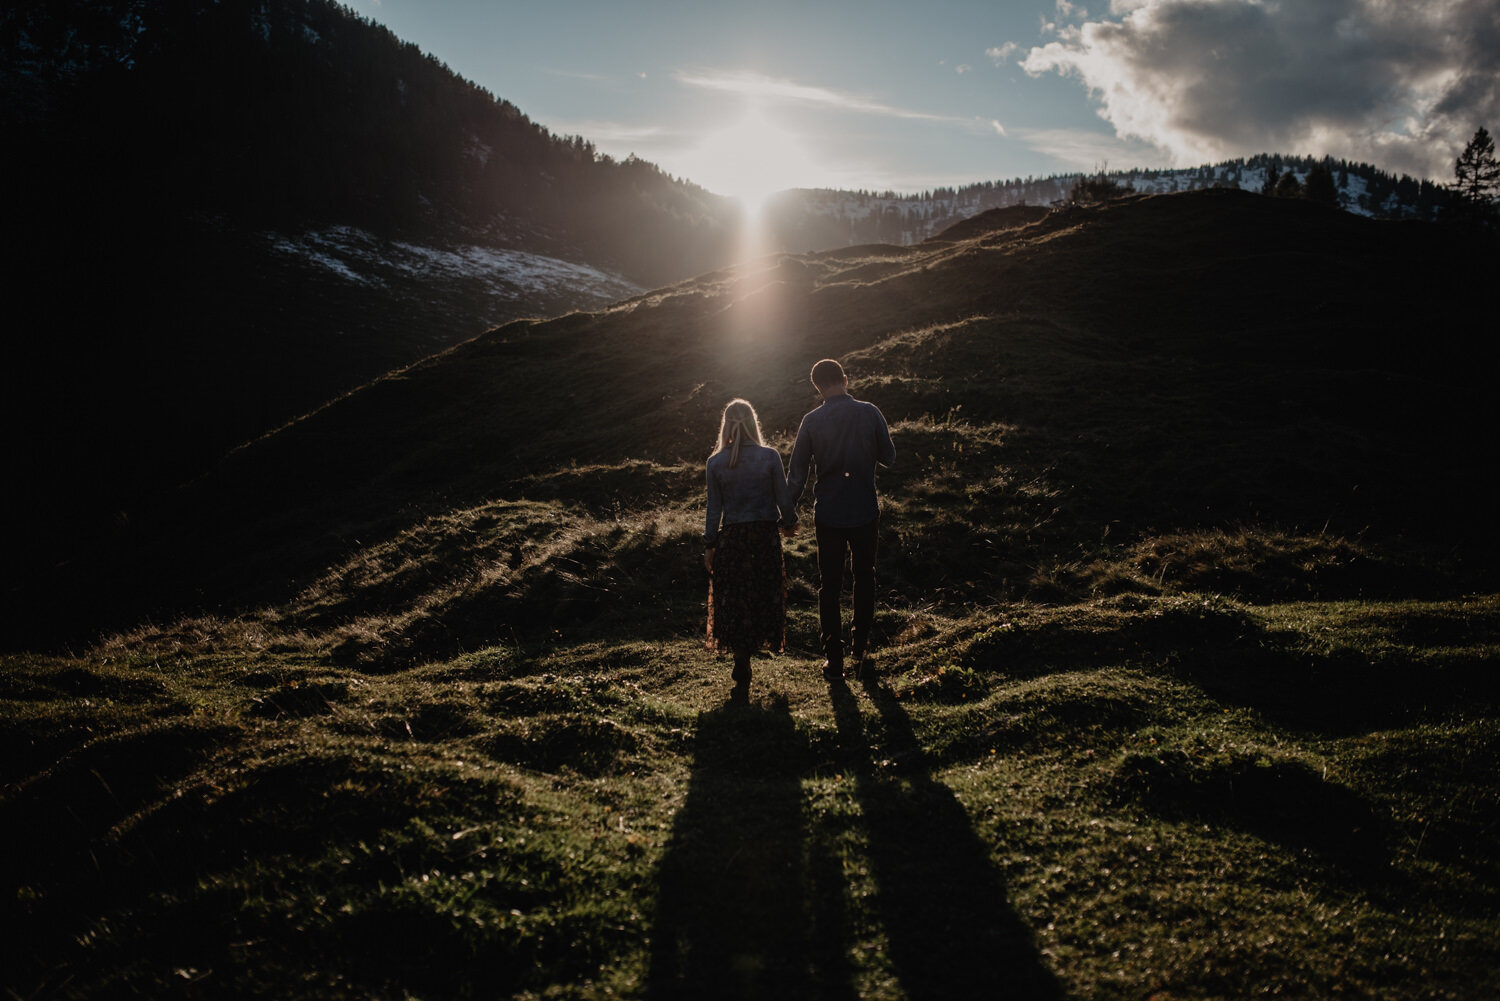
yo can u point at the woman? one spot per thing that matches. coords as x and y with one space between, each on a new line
747 493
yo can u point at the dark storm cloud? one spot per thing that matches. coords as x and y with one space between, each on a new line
1400 84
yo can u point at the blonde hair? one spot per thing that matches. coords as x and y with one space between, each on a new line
738 425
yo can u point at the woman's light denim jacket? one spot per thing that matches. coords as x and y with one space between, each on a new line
754 490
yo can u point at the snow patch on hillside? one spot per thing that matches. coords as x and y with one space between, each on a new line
314 247
1352 190
530 272
360 257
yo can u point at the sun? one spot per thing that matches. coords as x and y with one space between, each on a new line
752 159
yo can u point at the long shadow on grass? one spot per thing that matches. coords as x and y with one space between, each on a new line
951 932
747 909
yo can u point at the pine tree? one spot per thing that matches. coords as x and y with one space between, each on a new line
1268 186
1319 187
1476 172
1288 186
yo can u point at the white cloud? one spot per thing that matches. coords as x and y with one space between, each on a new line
995 124
1400 84
999 53
612 133
770 88
963 68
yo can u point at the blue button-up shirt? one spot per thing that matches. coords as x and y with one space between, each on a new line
844 438
754 490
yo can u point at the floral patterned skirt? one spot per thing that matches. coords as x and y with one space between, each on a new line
747 589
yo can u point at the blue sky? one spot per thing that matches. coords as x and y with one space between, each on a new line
753 96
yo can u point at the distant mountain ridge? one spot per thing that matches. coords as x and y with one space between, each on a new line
804 220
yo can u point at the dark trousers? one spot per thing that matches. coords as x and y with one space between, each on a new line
834 544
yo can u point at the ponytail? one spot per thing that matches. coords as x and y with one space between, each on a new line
739 425
736 438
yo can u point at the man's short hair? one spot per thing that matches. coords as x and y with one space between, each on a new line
827 373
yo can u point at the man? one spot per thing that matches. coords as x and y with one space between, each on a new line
844 438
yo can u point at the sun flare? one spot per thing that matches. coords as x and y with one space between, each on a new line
753 159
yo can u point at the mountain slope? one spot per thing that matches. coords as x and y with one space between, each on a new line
234 212
1185 643
285 114
1090 380
308 204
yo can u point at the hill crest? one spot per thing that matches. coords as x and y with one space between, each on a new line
1171 363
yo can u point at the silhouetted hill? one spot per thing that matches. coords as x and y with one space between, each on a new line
992 220
1092 380
227 214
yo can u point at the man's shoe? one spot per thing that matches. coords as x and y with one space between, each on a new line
741 672
833 668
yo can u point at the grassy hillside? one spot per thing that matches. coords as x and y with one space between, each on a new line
1070 389
1187 638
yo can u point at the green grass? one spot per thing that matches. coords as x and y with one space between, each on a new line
1114 798
1188 628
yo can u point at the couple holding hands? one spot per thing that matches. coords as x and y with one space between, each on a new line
749 497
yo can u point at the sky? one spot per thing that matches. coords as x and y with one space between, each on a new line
752 97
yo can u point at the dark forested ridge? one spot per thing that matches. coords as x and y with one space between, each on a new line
190 180
286 113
